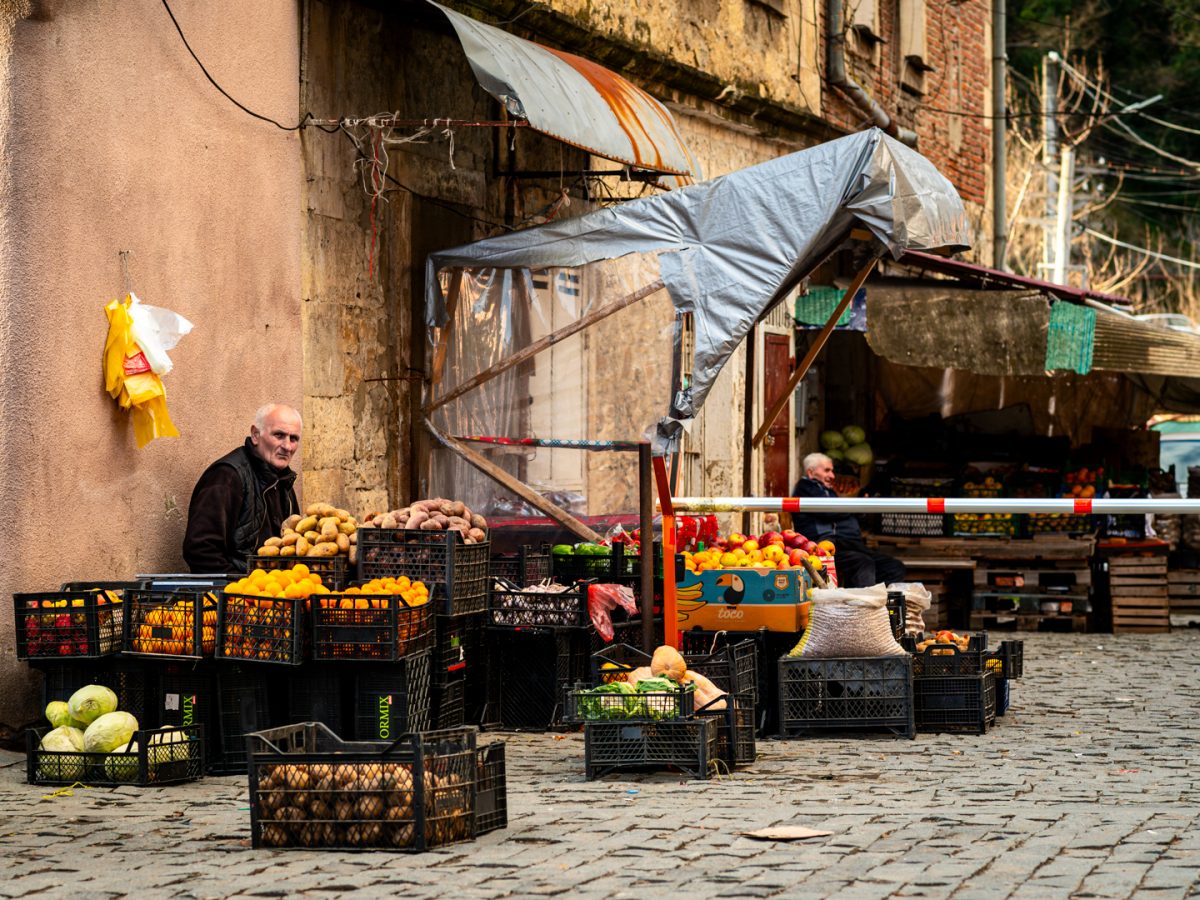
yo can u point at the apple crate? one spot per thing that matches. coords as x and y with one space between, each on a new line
311 790
84 623
155 757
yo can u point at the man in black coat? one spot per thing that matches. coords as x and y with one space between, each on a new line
243 498
857 564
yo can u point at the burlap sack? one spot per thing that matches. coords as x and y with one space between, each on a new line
917 599
848 623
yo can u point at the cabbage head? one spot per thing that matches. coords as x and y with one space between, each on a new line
832 440
63 739
860 454
168 746
58 713
90 702
122 768
109 732
854 434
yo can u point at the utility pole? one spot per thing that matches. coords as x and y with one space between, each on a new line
999 123
1049 153
1062 224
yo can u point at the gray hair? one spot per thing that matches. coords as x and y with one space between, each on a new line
813 460
264 413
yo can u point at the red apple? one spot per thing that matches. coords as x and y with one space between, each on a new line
792 539
735 540
796 558
770 537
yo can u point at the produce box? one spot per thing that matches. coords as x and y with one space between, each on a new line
261 629
848 693
525 567
319 692
732 667
1007 661
393 699
530 671
441 558
539 607
244 705
156 757
735 731
908 524
84 624
604 703
689 745
309 789
743 599
165 623
127 678
1058 523
335 571
360 627
961 703
491 789
937 660
449 703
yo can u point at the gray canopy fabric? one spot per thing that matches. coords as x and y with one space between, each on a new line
730 248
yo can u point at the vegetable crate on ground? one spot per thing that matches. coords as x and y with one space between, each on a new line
955 703
607 703
529 671
441 559
355 628
244 705
555 607
309 789
1183 592
874 693
81 624
768 645
392 699
449 702
261 629
127 678
1137 585
491 789
732 668
525 567
937 660
165 623
689 745
735 730
335 571
154 757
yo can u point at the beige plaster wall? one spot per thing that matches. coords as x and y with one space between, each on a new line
112 139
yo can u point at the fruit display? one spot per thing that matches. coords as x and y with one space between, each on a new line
68 623
296 582
945 638
375 594
384 619
978 484
848 445
770 550
323 531
437 514
162 623
261 615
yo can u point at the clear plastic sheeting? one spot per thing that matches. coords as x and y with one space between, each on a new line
730 248
605 383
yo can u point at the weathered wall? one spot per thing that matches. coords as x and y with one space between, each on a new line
112 140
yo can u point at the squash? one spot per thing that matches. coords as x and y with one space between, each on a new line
706 691
639 674
667 661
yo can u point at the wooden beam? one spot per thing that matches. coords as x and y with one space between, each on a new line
548 341
801 370
493 471
439 356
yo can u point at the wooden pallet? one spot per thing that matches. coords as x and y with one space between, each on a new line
1183 592
986 621
1138 587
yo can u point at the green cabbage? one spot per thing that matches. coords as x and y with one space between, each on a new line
109 732
121 767
853 434
58 713
168 746
66 740
860 454
832 440
90 702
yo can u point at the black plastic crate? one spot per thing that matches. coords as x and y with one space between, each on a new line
735 730
319 692
164 623
938 660
912 524
183 694
243 706
261 629
848 693
392 699
127 678
449 703
1003 695
689 745
335 571
1059 523
725 648
80 624
731 668
525 567
162 756
581 705
441 559
309 789
458 645
533 609
1008 660
529 671
617 566
964 703
491 789
359 627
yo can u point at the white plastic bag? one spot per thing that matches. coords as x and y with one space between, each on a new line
848 622
156 331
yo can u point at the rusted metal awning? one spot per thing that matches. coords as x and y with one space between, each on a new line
575 100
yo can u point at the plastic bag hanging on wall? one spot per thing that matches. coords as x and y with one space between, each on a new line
135 355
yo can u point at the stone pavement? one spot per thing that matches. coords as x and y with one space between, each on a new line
1085 789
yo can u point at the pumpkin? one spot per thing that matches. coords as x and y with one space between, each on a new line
667 661
706 691
639 674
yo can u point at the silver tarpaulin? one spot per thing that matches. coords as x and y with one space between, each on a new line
728 249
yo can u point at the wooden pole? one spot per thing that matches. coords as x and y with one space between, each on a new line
748 423
439 356
493 471
801 370
548 341
646 524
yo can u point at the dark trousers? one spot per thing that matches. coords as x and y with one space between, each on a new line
858 566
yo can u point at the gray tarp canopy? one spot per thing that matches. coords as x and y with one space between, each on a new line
729 249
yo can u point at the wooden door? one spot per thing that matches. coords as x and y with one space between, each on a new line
777 366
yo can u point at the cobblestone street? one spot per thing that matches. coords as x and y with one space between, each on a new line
1085 789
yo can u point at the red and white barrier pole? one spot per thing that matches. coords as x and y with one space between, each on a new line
1077 506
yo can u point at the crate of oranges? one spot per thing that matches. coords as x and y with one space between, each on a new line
383 620
261 617
179 623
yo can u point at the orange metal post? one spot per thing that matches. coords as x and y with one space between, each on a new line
670 617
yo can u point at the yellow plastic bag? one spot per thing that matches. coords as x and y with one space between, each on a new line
129 379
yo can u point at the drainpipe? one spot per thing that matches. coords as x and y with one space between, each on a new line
999 83
836 73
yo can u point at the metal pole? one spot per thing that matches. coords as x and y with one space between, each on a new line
1075 506
1049 151
999 122
1062 230
646 524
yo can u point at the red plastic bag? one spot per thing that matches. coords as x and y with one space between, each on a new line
603 599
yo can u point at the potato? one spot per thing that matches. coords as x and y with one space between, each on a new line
329 531
387 520
268 551
325 548
347 528
273 542
289 550
478 521
290 522
311 536
430 525
417 519
289 538
306 524
353 555
303 546
457 508
343 514
343 543
477 535
353 538
326 520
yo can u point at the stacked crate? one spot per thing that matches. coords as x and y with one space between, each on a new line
1183 592
1137 584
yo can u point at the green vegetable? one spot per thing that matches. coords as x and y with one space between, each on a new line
562 550
657 685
